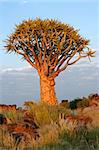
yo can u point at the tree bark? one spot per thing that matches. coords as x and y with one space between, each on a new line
47 90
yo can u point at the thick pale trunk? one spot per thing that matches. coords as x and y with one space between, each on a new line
47 90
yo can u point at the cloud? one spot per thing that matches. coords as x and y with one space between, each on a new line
25 1
24 71
4 70
21 84
88 78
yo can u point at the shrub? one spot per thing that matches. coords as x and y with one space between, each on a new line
39 112
83 103
45 114
65 104
13 116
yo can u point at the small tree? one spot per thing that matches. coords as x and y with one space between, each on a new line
50 47
83 103
73 103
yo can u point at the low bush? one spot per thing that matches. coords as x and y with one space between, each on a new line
45 114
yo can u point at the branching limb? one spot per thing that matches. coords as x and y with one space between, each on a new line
44 44
29 61
65 53
74 52
40 51
66 64
61 42
25 56
61 63
32 50
16 50
75 60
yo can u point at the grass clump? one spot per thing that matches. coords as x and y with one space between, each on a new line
45 114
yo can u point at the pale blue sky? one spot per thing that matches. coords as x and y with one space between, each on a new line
81 15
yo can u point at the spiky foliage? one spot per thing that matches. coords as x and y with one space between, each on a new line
48 44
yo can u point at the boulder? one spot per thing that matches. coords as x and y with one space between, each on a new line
3 119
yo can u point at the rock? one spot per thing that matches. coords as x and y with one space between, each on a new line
73 123
20 131
25 130
3 119
29 121
4 107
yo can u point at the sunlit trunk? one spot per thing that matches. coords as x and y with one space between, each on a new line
47 90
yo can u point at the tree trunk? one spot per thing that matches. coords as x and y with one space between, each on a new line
47 90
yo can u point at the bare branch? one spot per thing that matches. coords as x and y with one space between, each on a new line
55 74
26 57
80 56
18 50
32 50
30 62
62 40
44 43
75 51
40 56
75 61
66 64
61 63
66 51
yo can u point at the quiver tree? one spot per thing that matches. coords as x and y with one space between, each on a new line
50 47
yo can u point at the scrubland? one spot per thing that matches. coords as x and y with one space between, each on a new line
38 126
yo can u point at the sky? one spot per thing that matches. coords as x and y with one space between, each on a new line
81 14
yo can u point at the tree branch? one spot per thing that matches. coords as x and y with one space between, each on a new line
74 53
62 40
66 51
26 57
66 65
75 60
30 62
40 57
61 63
32 50
55 74
17 50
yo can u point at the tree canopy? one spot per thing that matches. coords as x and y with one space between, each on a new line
48 44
